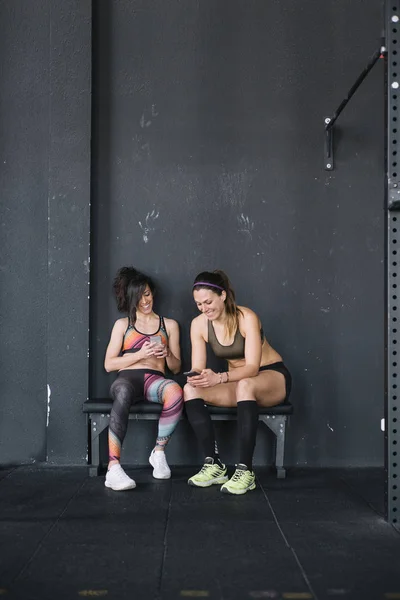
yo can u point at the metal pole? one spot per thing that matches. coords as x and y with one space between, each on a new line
392 287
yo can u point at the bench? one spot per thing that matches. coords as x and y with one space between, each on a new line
98 413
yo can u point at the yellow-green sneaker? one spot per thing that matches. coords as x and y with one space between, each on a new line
241 481
210 473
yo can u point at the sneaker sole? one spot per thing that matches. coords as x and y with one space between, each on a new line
131 486
238 493
159 477
210 482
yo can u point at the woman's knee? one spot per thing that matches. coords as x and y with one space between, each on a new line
245 389
190 392
174 389
121 389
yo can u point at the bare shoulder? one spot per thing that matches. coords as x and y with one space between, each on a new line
171 324
198 325
119 328
121 324
248 315
248 320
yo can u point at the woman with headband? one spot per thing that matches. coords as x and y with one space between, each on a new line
141 346
256 376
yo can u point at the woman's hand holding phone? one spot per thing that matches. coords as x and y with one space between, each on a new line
147 350
193 377
159 349
207 378
191 373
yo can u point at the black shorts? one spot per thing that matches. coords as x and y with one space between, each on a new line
280 367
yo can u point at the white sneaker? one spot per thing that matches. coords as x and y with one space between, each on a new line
160 466
118 480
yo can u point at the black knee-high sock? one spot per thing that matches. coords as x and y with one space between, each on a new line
247 416
199 418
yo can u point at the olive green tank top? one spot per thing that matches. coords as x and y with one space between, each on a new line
234 350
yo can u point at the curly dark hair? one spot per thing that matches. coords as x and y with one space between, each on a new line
129 286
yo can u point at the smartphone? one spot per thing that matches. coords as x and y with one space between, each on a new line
191 373
155 339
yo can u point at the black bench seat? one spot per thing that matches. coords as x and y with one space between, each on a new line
98 412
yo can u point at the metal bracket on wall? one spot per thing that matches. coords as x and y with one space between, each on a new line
330 121
392 280
328 144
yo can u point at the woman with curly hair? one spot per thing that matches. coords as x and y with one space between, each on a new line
141 345
256 376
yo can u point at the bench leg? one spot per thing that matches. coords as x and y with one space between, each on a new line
277 425
98 424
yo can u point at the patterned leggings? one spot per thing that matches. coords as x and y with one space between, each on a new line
132 385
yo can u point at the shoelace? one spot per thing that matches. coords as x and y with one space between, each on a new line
238 474
161 458
205 467
161 462
121 475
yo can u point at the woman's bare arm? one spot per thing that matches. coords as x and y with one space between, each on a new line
252 348
173 357
251 327
114 362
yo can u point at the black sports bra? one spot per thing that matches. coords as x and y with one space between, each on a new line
234 350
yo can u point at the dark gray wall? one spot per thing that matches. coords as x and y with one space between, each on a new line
208 153
209 115
69 229
24 150
45 103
